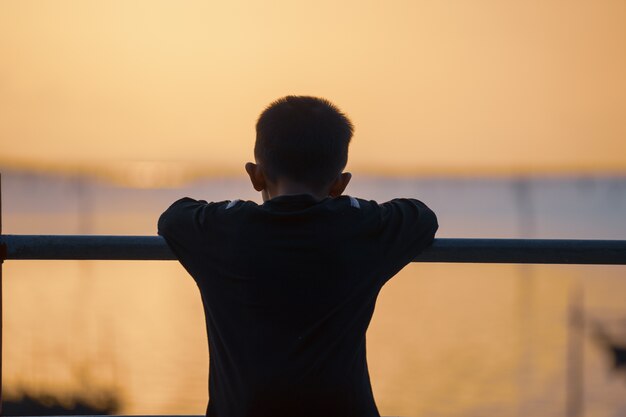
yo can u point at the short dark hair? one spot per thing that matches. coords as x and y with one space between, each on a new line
304 139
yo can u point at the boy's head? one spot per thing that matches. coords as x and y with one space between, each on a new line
301 141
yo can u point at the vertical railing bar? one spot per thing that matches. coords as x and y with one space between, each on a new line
2 257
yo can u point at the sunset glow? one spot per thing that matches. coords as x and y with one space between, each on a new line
487 87
508 118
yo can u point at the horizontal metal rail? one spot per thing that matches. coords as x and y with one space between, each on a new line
517 251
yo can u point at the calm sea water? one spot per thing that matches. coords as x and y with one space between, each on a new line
446 340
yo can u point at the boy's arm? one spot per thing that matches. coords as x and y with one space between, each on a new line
409 227
183 224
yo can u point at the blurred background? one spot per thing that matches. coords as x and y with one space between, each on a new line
507 118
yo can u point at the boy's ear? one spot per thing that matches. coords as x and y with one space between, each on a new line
340 184
256 176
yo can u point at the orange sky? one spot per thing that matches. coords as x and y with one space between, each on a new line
176 86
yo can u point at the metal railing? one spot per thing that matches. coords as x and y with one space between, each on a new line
153 248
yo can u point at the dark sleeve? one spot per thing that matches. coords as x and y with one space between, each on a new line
408 227
184 225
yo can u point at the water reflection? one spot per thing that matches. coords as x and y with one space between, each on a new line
446 340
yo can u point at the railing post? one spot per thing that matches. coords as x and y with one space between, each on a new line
574 384
3 253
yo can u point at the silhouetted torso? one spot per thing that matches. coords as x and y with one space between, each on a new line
288 289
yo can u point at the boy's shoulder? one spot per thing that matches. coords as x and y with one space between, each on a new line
187 204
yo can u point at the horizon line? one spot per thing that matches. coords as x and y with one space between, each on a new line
166 174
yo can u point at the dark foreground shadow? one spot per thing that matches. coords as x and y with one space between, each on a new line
26 404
